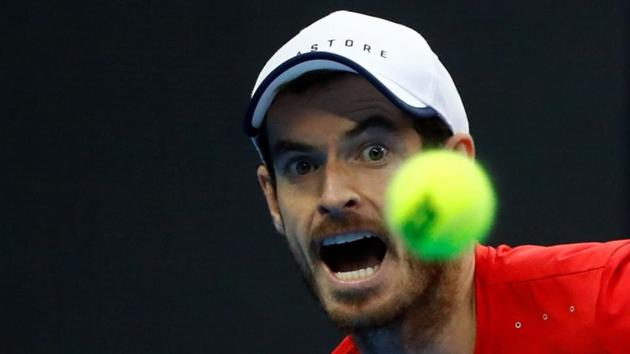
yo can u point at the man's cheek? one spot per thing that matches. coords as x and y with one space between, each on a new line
298 243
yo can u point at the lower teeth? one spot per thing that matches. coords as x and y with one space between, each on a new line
356 274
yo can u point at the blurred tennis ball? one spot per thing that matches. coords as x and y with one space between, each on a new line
440 202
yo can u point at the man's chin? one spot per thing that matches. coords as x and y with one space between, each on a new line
364 311
369 308
378 306
352 310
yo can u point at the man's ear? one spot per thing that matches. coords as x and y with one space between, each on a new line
462 143
269 190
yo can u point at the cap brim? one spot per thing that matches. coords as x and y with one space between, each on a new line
291 69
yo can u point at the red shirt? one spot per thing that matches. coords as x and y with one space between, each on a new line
571 298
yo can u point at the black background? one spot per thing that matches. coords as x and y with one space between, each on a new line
132 221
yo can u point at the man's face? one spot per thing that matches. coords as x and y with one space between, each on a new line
334 149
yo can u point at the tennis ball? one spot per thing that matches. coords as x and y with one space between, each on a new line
440 202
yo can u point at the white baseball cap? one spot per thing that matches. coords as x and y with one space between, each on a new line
394 58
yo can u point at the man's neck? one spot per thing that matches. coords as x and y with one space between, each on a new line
455 333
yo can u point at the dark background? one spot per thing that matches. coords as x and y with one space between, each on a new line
132 221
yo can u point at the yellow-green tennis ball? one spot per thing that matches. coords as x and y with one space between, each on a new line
440 202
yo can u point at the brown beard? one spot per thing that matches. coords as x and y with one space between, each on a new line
432 309
425 305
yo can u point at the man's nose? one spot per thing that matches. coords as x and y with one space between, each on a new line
338 192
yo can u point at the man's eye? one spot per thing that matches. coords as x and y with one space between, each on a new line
300 167
374 152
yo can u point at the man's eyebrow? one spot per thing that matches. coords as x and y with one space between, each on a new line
286 145
375 121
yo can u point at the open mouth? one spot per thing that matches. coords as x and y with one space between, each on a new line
353 256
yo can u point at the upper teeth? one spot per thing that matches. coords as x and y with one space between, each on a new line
337 240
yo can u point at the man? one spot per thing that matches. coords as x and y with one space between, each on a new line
334 112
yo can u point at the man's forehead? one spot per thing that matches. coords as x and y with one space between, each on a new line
308 122
347 100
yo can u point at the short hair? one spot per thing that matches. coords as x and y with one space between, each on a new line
433 130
